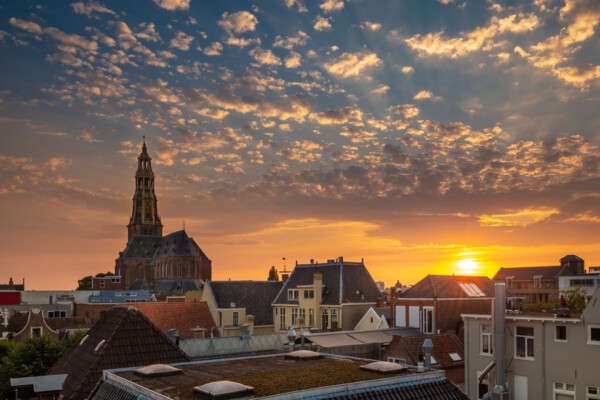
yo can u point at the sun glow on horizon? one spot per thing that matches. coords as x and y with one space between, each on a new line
468 266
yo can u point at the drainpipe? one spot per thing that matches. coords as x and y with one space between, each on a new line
500 391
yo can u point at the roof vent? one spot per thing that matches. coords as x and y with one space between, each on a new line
302 355
222 389
155 370
330 261
99 346
383 367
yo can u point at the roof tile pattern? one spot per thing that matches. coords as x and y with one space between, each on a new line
181 316
527 273
141 247
255 296
343 282
407 347
129 339
447 287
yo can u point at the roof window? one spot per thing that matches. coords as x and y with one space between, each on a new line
384 367
455 357
155 370
223 388
303 355
471 289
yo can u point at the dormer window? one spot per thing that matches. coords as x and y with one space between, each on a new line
292 294
309 294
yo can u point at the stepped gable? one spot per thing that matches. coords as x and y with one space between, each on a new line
255 296
447 287
344 282
123 337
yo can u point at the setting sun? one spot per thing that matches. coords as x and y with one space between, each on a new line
468 266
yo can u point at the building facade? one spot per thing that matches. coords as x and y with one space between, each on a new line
547 356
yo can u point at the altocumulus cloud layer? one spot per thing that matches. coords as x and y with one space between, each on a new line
442 125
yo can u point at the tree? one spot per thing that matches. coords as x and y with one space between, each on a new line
573 299
273 274
85 283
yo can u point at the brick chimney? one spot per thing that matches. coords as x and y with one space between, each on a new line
11 284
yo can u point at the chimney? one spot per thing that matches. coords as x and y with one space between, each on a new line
427 349
500 391
250 323
11 284
284 276
393 305
318 284
340 259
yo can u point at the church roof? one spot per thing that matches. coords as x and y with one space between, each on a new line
178 244
255 296
141 247
122 338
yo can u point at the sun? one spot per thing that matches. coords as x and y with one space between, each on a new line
468 266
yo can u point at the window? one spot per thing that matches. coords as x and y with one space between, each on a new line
433 360
324 319
309 294
593 334
102 284
560 333
311 317
509 281
57 314
220 318
397 360
483 386
455 357
36 331
294 316
486 340
334 316
282 325
427 325
592 393
471 289
116 280
292 294
235 319
564 391
524 343
302 316
537 281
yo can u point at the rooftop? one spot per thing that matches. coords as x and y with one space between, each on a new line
274 375
450 287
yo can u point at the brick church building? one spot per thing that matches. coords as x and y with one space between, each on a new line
169 263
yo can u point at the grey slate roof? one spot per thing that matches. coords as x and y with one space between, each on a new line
123 337
255 296
141 247
178 244
167 286
344 282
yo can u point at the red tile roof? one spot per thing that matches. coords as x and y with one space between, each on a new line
407 347
182 316
448 286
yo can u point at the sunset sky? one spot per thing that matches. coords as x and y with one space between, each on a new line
448 136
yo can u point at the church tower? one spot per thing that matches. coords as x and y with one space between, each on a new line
144 217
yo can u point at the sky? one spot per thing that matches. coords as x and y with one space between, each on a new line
423 136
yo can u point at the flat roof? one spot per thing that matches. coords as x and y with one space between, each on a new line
270 375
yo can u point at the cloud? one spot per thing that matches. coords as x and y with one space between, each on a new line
90 8
173 5
480 39
407 70
303 151
338 116
28 26
322 24
239 22
242 42
329 6
297 3
288 43
521 218
294 60
426 95
350 65
371 26
213 113
404 110
381 89
265 57
214 49
182 41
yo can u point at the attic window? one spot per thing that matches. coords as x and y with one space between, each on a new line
303 355
383 366
292 294
223 388
155 370
100 345
471 289
455 357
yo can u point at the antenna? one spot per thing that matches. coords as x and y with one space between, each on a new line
284 268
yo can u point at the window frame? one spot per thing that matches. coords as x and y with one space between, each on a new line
526 339
556 338
490 337
563 390
589 335
592 396
397 360
292 294
427 310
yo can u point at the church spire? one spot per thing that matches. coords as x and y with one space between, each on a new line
144 217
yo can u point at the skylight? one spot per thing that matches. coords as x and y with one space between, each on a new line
455 357
471 289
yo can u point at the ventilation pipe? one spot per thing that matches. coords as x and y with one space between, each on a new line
500 391
427 348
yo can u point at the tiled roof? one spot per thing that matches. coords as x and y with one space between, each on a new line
527 273
181 316
59 324
356 285
141 247
122 338
255 296
448 286
431 389
167 286
407 347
